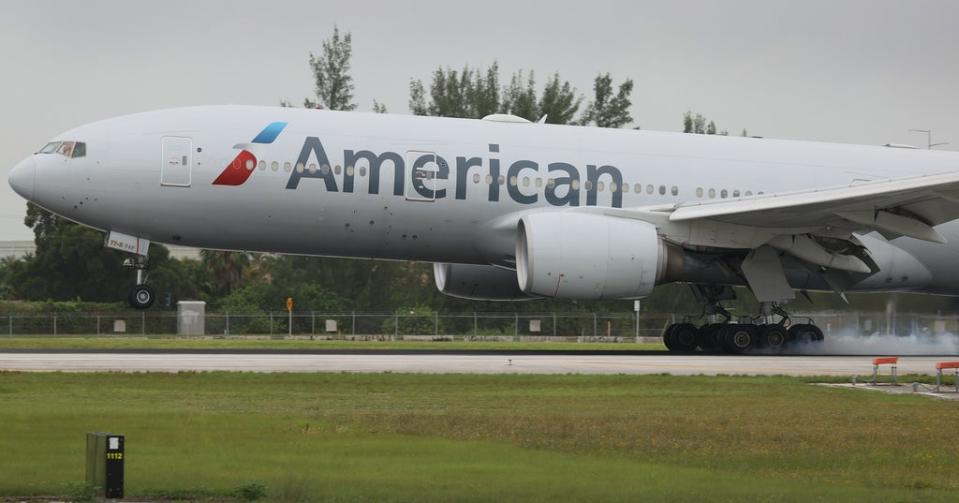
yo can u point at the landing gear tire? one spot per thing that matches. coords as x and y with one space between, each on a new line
804 333
739 338
773 338
685 337
668 338
141 297
709 338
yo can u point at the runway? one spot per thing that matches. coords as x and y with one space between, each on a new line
500 363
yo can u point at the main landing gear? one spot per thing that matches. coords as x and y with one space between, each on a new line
141 296
720 334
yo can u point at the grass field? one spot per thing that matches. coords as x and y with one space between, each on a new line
251 343
400 437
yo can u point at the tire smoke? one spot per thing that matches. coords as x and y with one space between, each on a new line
851 343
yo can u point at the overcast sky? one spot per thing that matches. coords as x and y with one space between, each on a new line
851 71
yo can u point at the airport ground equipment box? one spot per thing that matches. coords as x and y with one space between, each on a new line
105 464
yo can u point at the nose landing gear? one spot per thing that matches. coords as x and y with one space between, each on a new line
141 296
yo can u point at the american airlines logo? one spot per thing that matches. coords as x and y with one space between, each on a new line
563 181
239 170
562 187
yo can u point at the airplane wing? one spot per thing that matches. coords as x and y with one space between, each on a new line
819 227
894 207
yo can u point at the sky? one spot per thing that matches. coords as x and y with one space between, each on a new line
847 71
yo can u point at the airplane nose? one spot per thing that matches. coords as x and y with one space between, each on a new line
22 177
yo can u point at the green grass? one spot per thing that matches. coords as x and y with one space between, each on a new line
405 437
74 342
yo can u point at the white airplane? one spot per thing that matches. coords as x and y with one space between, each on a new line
511 210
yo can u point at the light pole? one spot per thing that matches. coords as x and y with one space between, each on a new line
929 142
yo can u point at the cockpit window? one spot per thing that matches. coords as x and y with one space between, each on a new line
49 148
72 149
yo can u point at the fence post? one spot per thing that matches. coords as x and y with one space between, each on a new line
475 325
312 322
271 323
515 325
436 324
98 324
554 324
353 329
227 314
143 323
10 326
594 325
54 324
396 326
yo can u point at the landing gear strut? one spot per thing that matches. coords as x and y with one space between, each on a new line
141 296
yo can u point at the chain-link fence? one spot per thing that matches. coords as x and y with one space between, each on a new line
612 327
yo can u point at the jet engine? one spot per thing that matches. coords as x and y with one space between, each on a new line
477 282
576 255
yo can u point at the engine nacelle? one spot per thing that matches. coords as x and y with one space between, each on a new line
477 282
575 255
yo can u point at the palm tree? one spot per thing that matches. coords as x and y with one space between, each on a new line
225 269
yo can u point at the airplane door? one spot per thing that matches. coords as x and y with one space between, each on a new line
428 171
177 161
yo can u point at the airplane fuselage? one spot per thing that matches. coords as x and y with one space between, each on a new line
297 181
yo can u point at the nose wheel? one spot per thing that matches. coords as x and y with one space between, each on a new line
141 296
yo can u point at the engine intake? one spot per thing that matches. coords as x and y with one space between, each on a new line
575 255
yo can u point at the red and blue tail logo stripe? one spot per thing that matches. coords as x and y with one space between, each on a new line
240 169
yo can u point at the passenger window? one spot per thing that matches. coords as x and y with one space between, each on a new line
299 167
274 165
262 165
350 170
325 169
625 187
712 193
588 185
362 171
638 188
525 181
502 180
723 194
662 190
539 182
512 181
575 184
476 178
612 186
489 179
287 167
699 192
336 169
249 164
674 191
650 189
551 183
735 193
312 167
749 193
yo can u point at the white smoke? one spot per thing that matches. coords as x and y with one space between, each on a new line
851 343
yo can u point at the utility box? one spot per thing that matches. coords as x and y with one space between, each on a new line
191 317
105 464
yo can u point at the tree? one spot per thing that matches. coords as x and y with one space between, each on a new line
559 102
225 269
607 109
711 128
331 72
379 107
476 93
